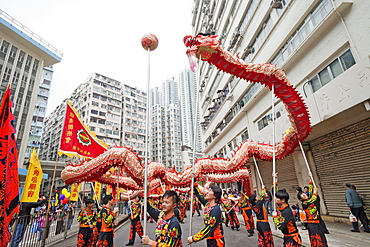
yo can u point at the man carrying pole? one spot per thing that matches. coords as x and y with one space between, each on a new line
107 217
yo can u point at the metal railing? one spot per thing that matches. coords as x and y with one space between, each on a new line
27 231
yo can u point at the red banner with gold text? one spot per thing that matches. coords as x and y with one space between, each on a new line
77 140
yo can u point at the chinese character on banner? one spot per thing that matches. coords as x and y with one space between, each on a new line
77 139
33 180
74 192
97 188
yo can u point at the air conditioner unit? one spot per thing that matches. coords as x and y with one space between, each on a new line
276 4
269 117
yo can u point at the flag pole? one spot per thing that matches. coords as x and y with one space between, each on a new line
47 222
258 171
273 143
308 166
195 124
149 42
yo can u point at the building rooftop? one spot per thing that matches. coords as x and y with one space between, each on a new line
14 29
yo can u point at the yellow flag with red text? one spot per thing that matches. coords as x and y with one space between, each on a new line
33 180
74 192
97 190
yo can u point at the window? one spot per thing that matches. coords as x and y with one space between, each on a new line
333 70
95 103
94 112
245 135
262 123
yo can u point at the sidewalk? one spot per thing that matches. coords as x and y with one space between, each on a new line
71 240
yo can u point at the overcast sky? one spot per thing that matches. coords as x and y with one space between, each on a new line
104 37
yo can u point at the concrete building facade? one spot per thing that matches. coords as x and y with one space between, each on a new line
23 55
322 45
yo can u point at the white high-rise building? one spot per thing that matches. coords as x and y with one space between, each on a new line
323 47
188 96
37 126
170 92
23 56
165 127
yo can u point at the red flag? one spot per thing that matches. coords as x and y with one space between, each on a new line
9 183
77 139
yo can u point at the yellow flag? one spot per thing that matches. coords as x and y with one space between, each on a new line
109 189
74 192
33 180
97 189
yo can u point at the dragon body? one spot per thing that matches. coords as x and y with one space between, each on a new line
220 170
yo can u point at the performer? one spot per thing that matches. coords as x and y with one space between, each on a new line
107 219
315 229
196 206
247 213
231 217
182 207
284 220
135 226
212 229
265 238
88 233
168 230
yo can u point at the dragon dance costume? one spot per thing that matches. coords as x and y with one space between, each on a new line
285 222
265 238
196 206
135 226
182 208
168 230
315 229
88 233
212 229
247 214
230 214
106 232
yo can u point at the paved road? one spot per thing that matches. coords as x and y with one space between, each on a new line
232 238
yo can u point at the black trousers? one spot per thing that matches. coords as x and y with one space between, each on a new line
360 215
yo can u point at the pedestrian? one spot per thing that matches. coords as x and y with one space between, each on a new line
135 226
70 215
284 220
24 218
212 230
265 238
87 234
230 214
107 219
61 216
315 231
41 221
356 207
244 205
168 229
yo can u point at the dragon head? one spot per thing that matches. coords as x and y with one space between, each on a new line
201 46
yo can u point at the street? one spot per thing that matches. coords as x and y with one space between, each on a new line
232 238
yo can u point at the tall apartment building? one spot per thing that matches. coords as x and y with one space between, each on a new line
113 110
165 127
323 48
23 55
189 119
39 114
170 92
